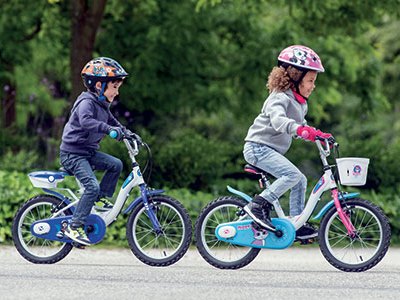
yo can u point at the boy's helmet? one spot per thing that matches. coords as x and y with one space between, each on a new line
301 57
102 69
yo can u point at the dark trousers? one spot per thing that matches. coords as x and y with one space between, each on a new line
82 166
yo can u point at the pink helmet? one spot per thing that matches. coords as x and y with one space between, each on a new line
301 57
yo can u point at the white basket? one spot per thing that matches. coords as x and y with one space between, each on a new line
352 170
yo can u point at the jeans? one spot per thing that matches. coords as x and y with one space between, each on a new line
287 174
82 166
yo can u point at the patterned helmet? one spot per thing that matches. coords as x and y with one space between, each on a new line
102 69
301 57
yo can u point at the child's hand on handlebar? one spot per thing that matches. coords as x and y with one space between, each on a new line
310 133
116 133
133 135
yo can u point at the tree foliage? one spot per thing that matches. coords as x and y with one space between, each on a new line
197 76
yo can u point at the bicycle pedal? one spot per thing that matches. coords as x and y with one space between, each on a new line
306 241
78 246
240 213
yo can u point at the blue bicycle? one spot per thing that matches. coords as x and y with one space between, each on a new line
158 230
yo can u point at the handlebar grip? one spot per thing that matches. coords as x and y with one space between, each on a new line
113 134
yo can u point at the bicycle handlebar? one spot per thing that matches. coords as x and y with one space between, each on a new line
132 144
325 146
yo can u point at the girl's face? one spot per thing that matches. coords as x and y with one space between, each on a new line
307 85
112 89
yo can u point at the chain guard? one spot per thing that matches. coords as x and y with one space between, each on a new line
246 233
53 229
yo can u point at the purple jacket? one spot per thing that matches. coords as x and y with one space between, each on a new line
89 122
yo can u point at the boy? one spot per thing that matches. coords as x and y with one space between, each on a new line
89 122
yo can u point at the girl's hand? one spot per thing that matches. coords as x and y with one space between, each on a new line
310 133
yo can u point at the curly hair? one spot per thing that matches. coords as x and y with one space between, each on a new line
281 79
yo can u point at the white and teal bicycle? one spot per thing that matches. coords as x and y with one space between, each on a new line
354 234
158 229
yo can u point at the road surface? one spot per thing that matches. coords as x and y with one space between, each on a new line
98 273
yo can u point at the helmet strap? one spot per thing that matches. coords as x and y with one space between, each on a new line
101 94
296 83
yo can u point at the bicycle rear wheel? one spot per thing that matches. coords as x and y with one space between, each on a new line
366 248
217 253
166 247
32 248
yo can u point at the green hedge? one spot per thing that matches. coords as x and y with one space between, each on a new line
15 189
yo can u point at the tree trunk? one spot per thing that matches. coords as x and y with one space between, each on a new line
9 115
86 17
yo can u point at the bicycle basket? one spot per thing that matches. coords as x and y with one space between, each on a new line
352 170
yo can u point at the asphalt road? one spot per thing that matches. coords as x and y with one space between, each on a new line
96 273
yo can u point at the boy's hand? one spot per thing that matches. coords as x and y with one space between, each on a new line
133 135
119 133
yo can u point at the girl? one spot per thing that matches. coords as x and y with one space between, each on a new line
283 117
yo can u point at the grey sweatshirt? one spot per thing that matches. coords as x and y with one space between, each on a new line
278 121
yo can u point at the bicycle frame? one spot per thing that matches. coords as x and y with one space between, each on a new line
325 183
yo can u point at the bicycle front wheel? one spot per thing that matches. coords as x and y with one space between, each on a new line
32 248
159 248
366 248
218 253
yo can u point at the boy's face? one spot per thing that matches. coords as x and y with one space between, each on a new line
307 85
112 89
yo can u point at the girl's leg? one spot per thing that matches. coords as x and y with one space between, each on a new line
297 197
287 174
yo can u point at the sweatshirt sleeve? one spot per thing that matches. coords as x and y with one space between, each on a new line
114 122
86 118
276 108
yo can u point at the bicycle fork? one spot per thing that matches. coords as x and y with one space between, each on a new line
351 231
149 208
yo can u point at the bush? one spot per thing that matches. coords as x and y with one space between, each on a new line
190 160
15 189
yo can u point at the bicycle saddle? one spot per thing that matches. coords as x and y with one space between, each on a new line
254 170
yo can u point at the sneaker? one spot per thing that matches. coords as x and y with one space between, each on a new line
77 234
306 232
258 210
103 205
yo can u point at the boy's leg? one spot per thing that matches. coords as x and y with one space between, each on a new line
82 169
112 167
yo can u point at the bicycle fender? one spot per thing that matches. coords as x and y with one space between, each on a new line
139 199
327 206
239 193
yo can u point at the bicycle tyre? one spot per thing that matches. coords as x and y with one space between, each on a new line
163 249
32 248
218 253
370 245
